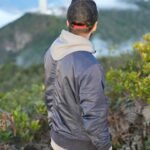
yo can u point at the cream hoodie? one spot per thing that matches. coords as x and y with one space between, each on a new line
68 43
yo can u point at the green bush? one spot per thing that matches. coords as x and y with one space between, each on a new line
26 108
21 102
132 81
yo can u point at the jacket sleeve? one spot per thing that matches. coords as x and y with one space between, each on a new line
94 107
50 71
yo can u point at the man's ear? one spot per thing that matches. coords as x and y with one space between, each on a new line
67 23
95 27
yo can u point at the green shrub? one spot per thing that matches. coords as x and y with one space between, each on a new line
132 81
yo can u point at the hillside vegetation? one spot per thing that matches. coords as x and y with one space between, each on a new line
119 26
29 36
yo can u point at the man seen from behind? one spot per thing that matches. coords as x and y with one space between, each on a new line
77 106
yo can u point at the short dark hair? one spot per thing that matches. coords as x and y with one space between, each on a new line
82 15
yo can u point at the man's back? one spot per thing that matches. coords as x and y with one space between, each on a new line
75 99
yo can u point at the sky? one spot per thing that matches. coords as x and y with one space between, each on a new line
11 10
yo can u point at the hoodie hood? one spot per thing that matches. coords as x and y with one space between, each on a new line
68 43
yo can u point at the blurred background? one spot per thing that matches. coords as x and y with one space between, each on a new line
29 27
122 43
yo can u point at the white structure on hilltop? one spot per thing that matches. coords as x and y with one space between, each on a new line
43 6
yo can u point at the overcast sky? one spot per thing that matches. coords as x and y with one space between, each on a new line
13 9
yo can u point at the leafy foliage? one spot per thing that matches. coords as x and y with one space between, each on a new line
21 103
132 81
128 89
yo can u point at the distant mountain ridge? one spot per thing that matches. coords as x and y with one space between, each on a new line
30 34
26 39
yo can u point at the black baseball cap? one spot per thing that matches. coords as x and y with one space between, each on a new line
82 12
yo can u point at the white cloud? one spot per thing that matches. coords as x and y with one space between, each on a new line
118 4
108 4
6 17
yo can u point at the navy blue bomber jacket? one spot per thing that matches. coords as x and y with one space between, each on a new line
77 106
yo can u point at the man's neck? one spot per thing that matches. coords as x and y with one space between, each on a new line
87 36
